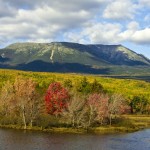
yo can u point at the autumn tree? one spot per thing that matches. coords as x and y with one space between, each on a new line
19 98
117 106
93 103
25 99
56 99
76 111
6 98
103 107
102 110
98 108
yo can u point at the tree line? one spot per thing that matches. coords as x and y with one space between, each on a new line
83 105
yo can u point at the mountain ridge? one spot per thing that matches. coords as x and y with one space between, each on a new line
91 56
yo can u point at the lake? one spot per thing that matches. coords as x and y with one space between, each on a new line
21 140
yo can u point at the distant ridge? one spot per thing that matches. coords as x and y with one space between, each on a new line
72 57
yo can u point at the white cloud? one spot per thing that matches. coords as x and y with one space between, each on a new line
141 36
134 34
74 37
120 9
145 3
45 19
74 20
105 33
133 25
63 5
6 10
131 28
42 22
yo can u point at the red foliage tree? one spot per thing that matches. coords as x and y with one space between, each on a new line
98 104
56 99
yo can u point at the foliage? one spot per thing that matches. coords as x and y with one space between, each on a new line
96 87
68 83
117 106
73 100
76 111
56 98
103 107
20 99
98 108
139 104
45 121
85 87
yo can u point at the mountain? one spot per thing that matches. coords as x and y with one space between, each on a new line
72 57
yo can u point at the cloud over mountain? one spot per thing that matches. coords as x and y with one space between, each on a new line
86 21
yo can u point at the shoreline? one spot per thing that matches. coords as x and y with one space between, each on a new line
95 130
131 123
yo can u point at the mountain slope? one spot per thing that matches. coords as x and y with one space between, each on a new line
119 55
64 57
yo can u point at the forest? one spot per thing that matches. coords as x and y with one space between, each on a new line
46 100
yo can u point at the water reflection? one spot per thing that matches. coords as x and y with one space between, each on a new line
20 140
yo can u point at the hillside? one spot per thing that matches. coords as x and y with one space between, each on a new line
126 87
73 57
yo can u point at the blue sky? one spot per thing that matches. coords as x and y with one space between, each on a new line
125 22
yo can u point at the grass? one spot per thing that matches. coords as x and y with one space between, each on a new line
129 123
141 121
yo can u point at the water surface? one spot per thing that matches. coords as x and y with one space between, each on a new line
21 140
